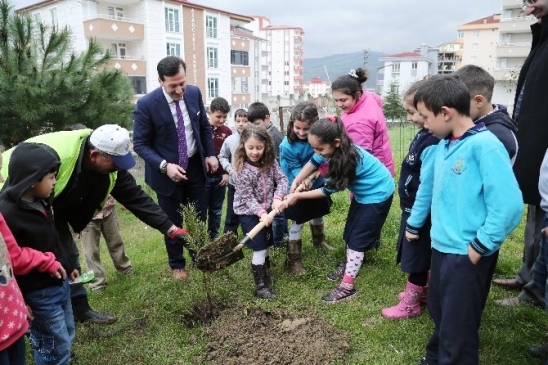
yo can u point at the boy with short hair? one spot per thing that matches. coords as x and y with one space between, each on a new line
259 114
25 203
217 181
226 160
495 116
475 203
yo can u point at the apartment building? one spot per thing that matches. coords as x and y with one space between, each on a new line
514 44
449 57
479 40
403 69
282 58
316 87
140 33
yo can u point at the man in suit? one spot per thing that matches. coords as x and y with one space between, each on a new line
172 134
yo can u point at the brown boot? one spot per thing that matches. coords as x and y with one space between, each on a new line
262 291
294 255
318 237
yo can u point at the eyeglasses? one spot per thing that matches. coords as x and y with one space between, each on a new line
527 3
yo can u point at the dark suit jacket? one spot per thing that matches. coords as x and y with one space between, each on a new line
155 134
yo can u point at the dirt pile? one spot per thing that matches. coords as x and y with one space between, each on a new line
255 336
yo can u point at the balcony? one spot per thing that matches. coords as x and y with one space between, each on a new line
513 50
511 4
240 71
298 48
106 27
241 98
515 25
505 74
129 66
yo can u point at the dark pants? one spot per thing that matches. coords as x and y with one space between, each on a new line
457 296
279 229
189 191
231 220
15 354
541 266
263 239
215 196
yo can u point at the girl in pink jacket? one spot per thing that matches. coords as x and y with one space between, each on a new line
362 116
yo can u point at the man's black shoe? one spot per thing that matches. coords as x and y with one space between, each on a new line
84 314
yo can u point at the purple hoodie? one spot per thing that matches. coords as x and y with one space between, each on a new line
366 126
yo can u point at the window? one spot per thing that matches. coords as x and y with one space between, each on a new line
286 73
396 67
37 17
115 12
286 82
239 58
212 87
414 65
53 16
474 46
461 34
139 84
172 20
118 50
212 57
211 26
475 34
473 59
173 49
245 87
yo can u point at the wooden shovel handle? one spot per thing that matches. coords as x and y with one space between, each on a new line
249 236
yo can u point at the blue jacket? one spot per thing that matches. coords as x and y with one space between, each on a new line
155 134
475 198
293 156
374 183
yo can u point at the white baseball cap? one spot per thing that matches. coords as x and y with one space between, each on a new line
114 140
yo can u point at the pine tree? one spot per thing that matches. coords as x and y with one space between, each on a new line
45 87
393 106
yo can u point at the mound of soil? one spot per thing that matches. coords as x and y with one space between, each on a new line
255 336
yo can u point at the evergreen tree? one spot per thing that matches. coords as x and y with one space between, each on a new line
393 106
44 86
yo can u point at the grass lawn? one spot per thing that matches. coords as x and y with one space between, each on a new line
150 305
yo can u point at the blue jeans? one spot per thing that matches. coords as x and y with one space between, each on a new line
279 229
215 196
540 268
52 330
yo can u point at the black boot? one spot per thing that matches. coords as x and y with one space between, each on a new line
84 314
269 278
262 290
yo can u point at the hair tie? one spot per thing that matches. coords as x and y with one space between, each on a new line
331 118
353 74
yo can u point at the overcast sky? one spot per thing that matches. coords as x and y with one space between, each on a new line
393 26
346 26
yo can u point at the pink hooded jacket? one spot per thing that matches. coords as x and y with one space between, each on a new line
366 126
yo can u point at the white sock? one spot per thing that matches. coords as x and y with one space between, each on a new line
295 231
316 221
259 257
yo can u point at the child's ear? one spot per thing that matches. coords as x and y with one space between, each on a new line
337 142
267 118
478 101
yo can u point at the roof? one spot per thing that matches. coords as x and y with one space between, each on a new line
405 55
493 19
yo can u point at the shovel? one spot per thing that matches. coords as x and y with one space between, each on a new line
226 250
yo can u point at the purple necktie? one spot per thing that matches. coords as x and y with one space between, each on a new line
181 137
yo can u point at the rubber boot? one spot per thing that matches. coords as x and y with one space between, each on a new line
262 291
269 278
424 294
408 307
294 257
84 314
318 237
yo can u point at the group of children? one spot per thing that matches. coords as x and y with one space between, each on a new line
458 195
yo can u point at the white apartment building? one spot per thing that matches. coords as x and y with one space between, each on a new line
514 44
479 40
140 33
281 58
449 57
403 69
316 86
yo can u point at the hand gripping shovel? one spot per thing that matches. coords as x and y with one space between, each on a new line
226 250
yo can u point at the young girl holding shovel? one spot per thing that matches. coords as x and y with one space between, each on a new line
260 186
350 166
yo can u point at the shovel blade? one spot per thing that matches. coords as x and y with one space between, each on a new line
219 254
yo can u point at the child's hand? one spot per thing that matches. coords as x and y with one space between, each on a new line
73 275
411 237
473 255
290 199
30 317
224 181
266 219
60 274
294 186
278 204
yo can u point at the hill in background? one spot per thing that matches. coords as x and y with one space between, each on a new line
340 64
